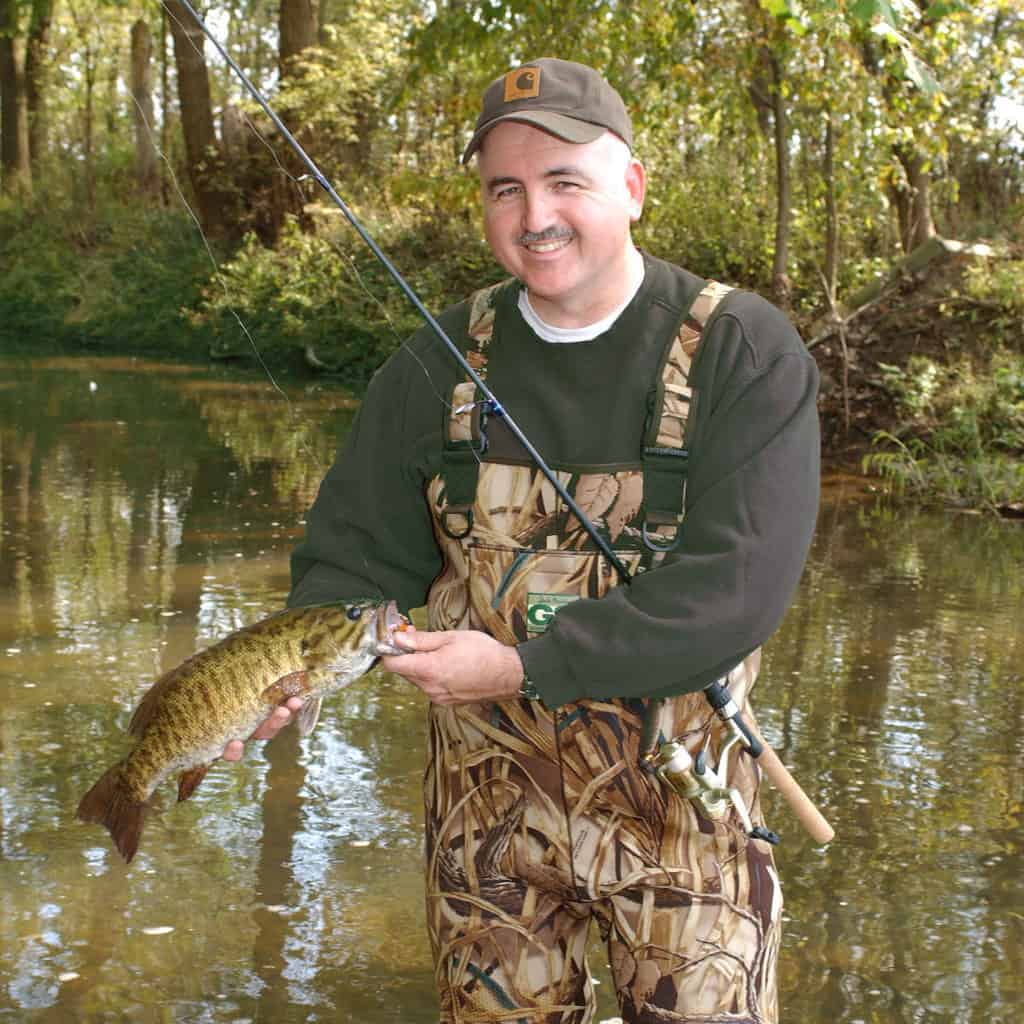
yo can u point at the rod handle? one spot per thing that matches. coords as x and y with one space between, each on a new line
808 815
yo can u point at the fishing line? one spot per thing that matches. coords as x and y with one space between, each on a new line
218 276
348 261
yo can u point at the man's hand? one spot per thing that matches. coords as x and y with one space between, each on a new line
271 726
459 666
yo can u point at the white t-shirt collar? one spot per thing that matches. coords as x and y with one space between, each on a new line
563 335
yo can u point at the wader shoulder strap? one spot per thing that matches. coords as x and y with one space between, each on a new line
665 457
465 437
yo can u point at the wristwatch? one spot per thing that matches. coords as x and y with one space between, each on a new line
528 688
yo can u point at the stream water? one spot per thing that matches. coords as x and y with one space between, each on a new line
148 509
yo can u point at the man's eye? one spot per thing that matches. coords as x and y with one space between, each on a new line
566 186
505 193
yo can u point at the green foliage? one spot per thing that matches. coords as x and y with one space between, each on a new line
1000 282
914 386
321 296
969 429
116 279
929 473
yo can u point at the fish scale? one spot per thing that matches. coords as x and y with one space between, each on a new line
188 716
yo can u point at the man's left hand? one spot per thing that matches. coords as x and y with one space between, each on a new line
460 666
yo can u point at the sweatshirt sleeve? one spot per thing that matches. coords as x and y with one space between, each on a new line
368 532
752 499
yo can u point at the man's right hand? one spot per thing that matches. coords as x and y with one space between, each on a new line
270 727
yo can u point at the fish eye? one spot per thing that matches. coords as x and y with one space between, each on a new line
354 612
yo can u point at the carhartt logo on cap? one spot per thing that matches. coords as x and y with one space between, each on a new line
576 104
522 84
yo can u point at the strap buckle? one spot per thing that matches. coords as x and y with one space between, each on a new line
658 544
664 472
465 511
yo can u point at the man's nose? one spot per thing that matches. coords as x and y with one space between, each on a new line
537 211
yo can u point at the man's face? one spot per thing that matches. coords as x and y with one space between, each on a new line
557 215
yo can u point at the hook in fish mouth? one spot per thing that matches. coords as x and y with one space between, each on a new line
382 628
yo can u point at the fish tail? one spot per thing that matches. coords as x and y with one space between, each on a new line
110 803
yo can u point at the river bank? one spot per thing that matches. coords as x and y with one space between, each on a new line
922 374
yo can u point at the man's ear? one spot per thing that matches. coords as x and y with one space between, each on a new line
636 185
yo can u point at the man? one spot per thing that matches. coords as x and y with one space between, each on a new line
540 668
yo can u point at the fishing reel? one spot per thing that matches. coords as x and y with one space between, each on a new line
707 785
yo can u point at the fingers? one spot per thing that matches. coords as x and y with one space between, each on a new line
416 665
233 751
273 723
410 640
458 667
267 729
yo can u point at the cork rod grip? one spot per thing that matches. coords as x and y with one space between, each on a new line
809 815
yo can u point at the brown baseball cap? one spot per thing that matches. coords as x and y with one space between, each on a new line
566 99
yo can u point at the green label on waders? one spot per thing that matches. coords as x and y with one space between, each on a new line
541 608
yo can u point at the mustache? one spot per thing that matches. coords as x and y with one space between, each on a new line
547 235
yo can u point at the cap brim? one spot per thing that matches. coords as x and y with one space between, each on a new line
567 128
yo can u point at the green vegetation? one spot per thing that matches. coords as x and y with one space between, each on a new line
962 432
117 282
324 295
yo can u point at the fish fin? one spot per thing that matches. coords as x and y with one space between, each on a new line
189 780
294 684
308 715
110 804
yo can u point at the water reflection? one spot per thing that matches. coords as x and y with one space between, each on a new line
896 687
147 510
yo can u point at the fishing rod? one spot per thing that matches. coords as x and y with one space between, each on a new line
716 693
491 404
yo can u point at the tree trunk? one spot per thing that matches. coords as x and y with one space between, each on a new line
201 149
911 195
35 77
781 284
915 203
831 215
165 107
15 161
88 134
298 22
142 109
111 101
232 133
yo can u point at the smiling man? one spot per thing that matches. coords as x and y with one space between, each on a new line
557 217
682 417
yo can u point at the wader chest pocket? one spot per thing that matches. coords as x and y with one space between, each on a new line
525 588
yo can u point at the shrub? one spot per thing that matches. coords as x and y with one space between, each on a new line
324 297
965 432
116 279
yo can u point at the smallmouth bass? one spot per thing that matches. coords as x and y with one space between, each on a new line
187 717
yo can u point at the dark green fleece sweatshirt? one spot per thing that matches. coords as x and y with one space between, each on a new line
751 499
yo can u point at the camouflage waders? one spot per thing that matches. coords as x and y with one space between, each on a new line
540 821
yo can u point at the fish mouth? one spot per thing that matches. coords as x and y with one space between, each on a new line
382 628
